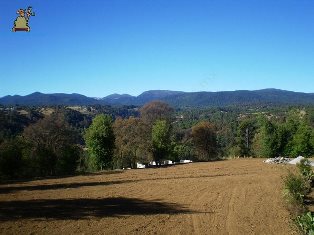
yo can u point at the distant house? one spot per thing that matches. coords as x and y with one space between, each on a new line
180 117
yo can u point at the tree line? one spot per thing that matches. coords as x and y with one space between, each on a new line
150 137
67 141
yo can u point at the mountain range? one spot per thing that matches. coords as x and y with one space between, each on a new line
174 98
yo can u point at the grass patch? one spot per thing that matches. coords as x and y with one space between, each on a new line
306 223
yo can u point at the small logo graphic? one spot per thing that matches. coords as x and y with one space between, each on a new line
21 22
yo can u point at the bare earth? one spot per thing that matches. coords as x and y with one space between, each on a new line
241 196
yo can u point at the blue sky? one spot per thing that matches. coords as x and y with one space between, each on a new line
100 47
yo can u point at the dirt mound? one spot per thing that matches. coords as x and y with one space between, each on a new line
227 197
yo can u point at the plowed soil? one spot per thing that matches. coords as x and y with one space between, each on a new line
242 196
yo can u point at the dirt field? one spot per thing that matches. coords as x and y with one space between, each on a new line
227 197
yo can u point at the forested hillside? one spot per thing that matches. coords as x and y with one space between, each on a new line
52 140
270 97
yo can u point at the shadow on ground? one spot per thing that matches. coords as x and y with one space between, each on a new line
69 209
11 189
14 181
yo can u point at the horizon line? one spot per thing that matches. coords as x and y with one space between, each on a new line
95 97
75 93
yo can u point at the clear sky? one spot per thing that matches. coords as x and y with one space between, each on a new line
100 47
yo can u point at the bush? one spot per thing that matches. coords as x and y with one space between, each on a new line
306 223
305 170
296 187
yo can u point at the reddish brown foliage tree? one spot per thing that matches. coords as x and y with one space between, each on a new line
205 140
132 141
156 110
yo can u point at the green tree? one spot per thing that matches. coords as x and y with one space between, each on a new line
265 142
11 158
68 163
310 116
283 137
205 140
245 134
301 143
290 127
151 113
161 140
182 151
100 139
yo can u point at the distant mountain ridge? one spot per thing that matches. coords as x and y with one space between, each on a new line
174 98
38 98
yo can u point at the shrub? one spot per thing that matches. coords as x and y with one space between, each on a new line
296 187
306 223
305 170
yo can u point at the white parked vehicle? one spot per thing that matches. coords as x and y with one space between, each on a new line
153 163
168 162
185 161
140 166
